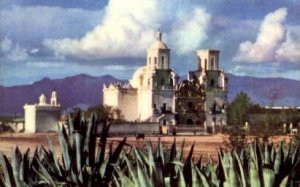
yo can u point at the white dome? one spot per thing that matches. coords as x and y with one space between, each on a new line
136 77
158 44
144 72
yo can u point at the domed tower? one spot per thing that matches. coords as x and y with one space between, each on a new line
158 55
154 85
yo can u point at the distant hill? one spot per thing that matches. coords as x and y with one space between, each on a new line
76 91
85 90
261 90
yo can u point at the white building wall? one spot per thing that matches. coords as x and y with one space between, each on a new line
164 96
47 118
128 104
30 118
123 99
42 117
111 97
145 107
212 95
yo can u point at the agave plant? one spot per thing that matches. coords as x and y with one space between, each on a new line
23 169
83 161
252 167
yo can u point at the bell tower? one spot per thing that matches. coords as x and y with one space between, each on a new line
53 101
158 55
208 60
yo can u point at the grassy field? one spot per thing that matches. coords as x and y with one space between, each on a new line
204 145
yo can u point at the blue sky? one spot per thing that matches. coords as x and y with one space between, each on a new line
59 38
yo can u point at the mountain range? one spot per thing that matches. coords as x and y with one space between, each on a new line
84 90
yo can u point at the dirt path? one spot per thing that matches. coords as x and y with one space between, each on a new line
204 145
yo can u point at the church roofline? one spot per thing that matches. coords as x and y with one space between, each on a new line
208 50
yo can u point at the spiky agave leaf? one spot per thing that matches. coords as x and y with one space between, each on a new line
90 140
144 179
268 177
253 173
203 179
65 148
44 174
16 164
132 172
240 169
233 177
160 151
112 160
181 180
187 168
8 178
195 177
267 159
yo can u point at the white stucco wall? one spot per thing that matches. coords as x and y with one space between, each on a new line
145 109
164 96
111 97
41 118
30 118
123 99
128 105
47 118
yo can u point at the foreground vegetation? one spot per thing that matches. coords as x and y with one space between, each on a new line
90 161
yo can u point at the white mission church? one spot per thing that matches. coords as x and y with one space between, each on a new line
155 95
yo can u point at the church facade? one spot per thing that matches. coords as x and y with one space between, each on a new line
42 117
154 94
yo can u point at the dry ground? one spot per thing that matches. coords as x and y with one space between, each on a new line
204 145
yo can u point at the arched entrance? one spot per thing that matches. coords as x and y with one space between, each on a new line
189 122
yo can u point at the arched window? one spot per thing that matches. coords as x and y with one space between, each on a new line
155 60
171 81
212 82
212 64
205 64
162 81
163 62
141 80
190 105
199 63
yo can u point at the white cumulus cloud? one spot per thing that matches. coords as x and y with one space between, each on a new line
189 30
14 52
269 39
290 49
17 54
128 28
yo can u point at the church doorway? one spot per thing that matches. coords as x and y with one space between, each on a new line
189 122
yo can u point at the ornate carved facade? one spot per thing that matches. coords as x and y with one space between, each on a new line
189 102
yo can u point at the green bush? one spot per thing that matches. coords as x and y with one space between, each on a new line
87 160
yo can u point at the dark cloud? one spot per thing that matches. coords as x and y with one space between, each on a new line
83 4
